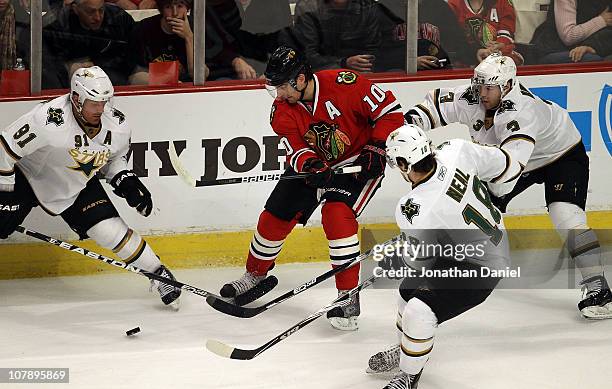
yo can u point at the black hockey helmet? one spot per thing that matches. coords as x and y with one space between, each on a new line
284 65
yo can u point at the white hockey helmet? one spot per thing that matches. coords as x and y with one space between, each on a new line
409 143
496 69
91 84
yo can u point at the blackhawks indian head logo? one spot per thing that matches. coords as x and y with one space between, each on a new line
327 140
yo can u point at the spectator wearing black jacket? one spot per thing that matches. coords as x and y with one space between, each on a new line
86 33
223 22
439 36
337 33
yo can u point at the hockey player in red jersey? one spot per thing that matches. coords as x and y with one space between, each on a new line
489 26
326 120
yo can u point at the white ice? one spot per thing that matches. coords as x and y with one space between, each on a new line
516 339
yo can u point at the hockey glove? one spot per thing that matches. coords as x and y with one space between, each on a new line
12 213
321 175
128 185
413 117
372 161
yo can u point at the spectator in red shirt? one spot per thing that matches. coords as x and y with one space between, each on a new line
489 26
164 37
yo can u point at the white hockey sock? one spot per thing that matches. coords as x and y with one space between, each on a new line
115 235
418 326
582 243
583 246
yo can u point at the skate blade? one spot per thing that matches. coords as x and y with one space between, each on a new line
175 305
344 324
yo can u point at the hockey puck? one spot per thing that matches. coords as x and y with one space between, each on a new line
133 331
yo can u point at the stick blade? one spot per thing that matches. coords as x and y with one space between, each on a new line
179 167
226 351
265 286
231 309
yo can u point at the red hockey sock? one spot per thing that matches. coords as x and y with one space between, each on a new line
341 227
267 242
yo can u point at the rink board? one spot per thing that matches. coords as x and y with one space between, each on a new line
227 134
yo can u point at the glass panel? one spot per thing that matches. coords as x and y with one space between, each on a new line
586 39
15 43
85 33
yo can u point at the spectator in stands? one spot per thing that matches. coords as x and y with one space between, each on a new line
164 37
223 58
86 33
489 26
337 33
262 21
134 4
575 31
439 36
8 43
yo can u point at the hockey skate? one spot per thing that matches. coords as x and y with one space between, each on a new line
248 288
344 318
596 303
168 293
385 362
404 381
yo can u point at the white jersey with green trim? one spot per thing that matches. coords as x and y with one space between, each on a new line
55 154
534 131
452 207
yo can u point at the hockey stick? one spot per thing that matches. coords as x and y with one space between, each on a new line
189 180
228 351
110 261
226 307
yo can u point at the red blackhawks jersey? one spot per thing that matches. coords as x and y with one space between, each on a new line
348 111
495 22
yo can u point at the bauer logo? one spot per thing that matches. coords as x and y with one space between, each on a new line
605 116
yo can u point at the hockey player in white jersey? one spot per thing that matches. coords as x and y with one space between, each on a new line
540 135
49 157
449 206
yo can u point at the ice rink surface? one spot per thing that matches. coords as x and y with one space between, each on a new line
517 339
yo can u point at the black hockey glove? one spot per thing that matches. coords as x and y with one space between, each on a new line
372 161
321 175
12 213
128 185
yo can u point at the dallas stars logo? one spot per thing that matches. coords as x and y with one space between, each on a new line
119 115
410 209
506 105
88 162
55 116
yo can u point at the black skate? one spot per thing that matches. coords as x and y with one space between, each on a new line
248 288
344 318
404 381
597 299
168 293
385 362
